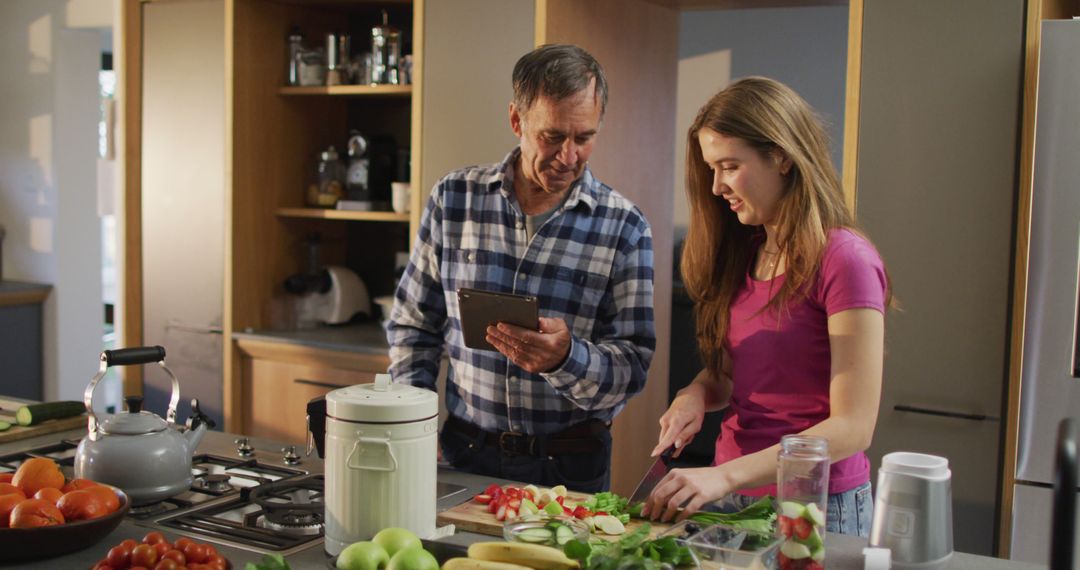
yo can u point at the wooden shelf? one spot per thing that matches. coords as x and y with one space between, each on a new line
351 90
342 215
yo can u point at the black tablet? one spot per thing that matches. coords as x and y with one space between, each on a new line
480 308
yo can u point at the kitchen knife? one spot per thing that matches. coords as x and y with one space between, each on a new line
652 476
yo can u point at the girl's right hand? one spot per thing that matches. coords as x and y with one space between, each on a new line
680 423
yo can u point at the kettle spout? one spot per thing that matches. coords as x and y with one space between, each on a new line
197 425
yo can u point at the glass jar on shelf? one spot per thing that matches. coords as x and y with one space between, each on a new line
329 185
802 492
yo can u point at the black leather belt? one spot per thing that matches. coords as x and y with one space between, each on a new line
580 438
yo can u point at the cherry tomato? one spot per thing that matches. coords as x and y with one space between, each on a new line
167 565
217 563
102 565
195 552
119 556
211 551
161 548
176 556
153 537
180 542
129 544
144 555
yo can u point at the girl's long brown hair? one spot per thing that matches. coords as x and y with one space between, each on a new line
771 118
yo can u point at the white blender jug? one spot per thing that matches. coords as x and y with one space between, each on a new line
380 449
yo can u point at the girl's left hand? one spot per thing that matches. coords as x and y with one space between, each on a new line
690 487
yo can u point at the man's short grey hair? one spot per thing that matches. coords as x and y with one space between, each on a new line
557 71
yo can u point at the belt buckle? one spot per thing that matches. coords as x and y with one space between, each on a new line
509 443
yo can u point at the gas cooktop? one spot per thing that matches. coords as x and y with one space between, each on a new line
243 502
257 500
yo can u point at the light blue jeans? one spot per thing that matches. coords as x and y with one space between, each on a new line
849 512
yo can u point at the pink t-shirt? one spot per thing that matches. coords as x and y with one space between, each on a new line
781 371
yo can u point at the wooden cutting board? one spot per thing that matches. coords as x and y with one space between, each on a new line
17 432
474 517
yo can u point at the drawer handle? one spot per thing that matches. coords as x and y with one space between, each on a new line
946 413
317 383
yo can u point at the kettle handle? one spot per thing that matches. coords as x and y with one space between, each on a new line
128 357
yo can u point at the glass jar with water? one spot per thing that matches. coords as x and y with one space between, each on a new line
802 491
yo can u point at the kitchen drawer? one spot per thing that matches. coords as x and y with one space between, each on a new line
279 389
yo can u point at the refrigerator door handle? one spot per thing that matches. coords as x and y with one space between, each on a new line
946 413
1065 478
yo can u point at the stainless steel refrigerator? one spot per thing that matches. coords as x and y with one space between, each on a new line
1050 386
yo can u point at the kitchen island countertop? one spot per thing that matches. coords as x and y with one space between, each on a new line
845 552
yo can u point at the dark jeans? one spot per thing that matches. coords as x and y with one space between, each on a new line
585 472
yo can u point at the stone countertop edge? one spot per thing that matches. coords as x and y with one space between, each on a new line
364 338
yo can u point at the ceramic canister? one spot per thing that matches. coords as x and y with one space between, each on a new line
380 471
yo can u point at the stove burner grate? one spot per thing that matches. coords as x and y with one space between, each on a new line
274 516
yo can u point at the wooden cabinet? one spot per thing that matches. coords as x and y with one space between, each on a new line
279 380
275 134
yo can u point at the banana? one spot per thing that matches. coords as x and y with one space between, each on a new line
534 556
477 564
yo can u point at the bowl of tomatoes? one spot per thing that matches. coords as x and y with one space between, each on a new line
49 540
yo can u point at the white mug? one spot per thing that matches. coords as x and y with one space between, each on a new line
399 197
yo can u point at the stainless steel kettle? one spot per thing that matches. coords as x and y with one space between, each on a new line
138 451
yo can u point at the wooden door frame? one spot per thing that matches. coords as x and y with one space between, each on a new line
129 73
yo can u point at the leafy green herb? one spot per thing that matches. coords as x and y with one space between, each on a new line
269 562
631 552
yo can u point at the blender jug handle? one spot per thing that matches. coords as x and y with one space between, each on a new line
375 442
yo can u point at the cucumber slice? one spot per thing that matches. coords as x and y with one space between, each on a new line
536 535
4 426
559 490
791 509
553 509
814 542
818 554
814 515
563 534
794 550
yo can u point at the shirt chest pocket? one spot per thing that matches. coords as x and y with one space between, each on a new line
475 269
583 290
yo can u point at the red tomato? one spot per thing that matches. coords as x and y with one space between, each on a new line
180 542
482 499
144 555
153 537
176 556
119 556
217 563
167 565
129 544
102 565
161 548
211 552
785 525
195 552
490 490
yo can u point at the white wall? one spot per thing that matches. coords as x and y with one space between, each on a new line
48 151
467 88
806 48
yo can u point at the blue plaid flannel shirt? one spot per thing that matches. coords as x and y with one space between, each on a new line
590 264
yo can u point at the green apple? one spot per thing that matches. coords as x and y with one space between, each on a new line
363 556
395 539
413 558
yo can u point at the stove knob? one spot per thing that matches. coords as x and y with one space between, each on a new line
243 448
291 458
